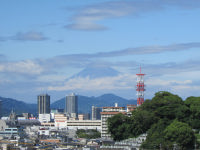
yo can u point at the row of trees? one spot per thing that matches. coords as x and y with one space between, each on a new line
167 120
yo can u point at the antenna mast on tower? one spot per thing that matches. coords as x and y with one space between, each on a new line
140 88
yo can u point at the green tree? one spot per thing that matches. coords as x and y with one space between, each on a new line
119 127
141 121
156 117
166 105
181 134
193 103
155 138
88 134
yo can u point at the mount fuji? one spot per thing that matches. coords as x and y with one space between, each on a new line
96 72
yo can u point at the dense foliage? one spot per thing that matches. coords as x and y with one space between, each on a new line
119 124
88 134
167 120
193 103
179 133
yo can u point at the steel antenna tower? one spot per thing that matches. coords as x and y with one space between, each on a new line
140 88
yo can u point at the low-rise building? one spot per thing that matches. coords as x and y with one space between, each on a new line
60 120
44 117
44 131
13 132
84 116
14 129
84 124
130 109
128 144
56 111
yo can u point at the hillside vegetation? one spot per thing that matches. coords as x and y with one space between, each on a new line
167 119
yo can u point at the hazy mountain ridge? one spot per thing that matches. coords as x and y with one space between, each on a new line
17 106
84 104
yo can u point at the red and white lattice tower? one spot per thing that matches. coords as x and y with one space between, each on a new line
140 88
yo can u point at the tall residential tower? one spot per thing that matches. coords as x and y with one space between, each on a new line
71 107
43 104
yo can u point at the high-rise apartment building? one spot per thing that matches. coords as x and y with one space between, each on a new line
96 113
106 113
71 107
43 104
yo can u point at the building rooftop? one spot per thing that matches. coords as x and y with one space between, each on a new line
111 113
113 107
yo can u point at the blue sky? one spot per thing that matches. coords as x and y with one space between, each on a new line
44 43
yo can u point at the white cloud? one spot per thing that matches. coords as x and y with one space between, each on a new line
125 81
86 26
25 36
161 82
186 90
51 77
183 88
29 36
87 18
22 67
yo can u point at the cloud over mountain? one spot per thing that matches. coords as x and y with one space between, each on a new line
95 77
96 72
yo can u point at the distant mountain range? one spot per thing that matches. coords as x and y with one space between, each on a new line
8 104
84 104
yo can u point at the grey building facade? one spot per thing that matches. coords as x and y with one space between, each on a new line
96 113
71 107
43 104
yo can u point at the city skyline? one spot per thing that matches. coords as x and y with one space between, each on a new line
58 47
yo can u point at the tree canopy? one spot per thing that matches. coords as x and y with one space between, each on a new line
119 124
88 134
157 118
179 133
193 103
